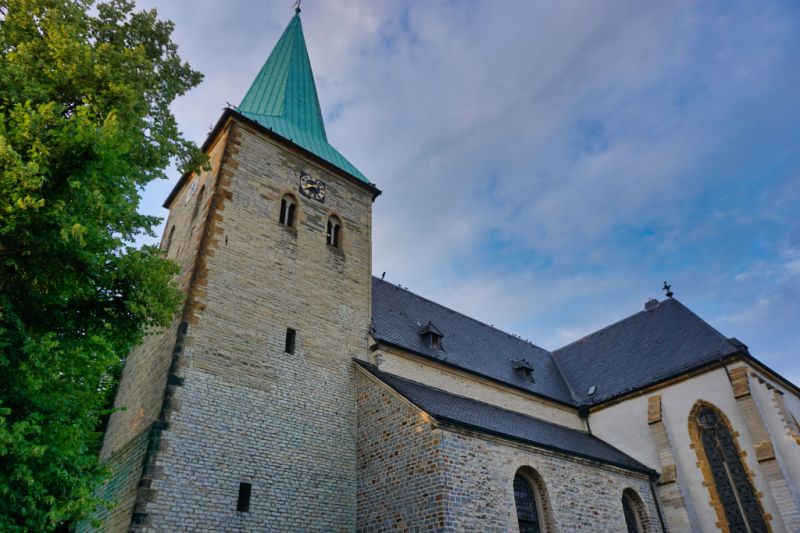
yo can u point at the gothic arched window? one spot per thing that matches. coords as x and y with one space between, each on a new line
334 233
633 507
730 479
531 501
288 209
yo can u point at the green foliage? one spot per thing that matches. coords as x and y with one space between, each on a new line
84 125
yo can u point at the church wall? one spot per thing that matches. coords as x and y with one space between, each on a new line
140 396
400 466
581 495
781 423
244 410
462 384
625 425
414 475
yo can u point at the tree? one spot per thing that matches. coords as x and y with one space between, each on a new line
84 125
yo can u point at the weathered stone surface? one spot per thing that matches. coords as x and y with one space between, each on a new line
247 411
415 476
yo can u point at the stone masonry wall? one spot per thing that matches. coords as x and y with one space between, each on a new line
416 477
140 397
583 496
242 409
400 468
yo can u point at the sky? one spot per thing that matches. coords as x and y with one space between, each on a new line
546 166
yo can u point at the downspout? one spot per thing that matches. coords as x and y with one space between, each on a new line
658 506
583 412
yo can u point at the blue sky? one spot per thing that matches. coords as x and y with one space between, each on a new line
547 165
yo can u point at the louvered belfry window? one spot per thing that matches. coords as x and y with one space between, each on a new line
527 512
730 478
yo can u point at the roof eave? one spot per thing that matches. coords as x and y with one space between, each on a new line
653 385
447 421
228 113
786 383
444 421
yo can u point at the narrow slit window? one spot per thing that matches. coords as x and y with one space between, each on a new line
243 503
291 336
334 232
288 210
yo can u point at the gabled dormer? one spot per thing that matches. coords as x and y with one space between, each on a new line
523 369
432 336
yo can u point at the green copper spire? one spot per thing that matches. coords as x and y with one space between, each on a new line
283 98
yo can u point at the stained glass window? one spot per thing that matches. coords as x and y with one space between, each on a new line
631 522
527 513
730 478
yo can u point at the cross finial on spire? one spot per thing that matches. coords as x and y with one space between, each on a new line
297 6
668 289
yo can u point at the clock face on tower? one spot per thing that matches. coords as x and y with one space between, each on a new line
312 187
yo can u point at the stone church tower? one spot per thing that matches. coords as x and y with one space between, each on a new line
247 403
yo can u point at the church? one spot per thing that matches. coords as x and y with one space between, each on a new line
296 392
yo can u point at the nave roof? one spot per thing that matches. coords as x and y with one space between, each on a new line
646 348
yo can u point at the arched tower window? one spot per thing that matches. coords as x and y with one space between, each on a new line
198 202
334 233
530 499
288 210
712 433
635 515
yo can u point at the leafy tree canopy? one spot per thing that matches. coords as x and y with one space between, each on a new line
85 124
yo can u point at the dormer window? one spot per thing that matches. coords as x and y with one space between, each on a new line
288 209
432 336
435 341
523 369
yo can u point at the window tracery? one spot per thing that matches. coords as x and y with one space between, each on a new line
532 504
527 511
736 495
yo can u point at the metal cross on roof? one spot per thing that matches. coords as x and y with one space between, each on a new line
668 289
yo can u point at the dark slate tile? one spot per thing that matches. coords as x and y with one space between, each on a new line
399 315
645 348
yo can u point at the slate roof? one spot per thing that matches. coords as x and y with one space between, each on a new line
645 348
640 350
283 98
398 316
472 414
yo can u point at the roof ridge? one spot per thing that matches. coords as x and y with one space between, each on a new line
529 343
715 330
